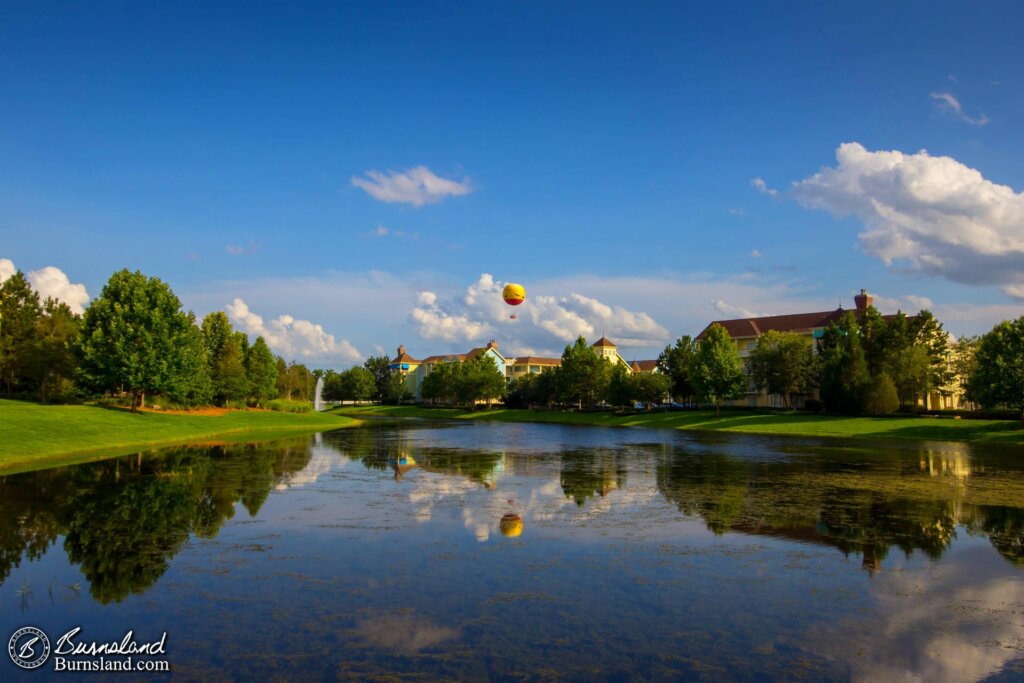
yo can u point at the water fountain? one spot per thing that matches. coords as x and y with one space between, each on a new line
318 401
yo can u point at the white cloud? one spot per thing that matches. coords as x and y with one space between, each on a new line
756 253
737 212
947 102
293 338
238 250
416 186
382 231
732 311
433 321
544 322
50 282
1015 291
761 187
933 213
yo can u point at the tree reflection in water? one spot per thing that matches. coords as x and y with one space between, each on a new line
124 519
864 505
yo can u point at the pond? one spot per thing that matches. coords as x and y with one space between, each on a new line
432 550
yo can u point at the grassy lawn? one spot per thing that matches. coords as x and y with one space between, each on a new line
798 424
34 436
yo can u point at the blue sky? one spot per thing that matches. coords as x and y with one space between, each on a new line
347 177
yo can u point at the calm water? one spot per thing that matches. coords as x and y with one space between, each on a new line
642 555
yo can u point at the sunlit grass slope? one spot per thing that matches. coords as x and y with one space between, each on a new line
33 435
799 424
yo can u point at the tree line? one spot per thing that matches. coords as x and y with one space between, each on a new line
135 340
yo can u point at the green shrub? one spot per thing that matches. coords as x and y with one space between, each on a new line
286 406
880 397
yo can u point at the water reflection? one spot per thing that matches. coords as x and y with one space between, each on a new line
860 502
123 520
478 551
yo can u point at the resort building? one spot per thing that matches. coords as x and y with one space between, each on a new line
415 371
746 331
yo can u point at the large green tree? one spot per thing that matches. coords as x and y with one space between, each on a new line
380 368
912 374
133 336
192 385
675 362
439 384
52 358
354 384
717 371
479 379
584 375
782 363
842 366
998 377
19 315
261 371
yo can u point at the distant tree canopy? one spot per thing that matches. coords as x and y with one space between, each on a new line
717 371
783 364
998 377
675 363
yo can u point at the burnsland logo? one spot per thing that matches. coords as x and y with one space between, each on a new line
29 648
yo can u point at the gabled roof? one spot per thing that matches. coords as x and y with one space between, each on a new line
448 358
404 358
603 341
793 322
644 365
473 353
535 360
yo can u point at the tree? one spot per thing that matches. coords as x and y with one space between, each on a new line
675 362
354 384
912 373
191 384
229 380
133 336
881 397
261 370
964 363
998 378
51 358
439 384
20 311
873 335
717 371
621 388
842 366
479 379
583 375
395 390
651 387
380 368
782 363
928 334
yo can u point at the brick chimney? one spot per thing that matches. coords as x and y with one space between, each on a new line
863 300
492 345
401 350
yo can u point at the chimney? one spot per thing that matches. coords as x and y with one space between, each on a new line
863 300
401 350
492 345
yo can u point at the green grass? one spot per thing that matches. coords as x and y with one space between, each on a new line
34 436
788 423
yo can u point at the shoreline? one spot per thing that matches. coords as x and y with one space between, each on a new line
735 422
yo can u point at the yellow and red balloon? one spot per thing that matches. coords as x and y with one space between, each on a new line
513 294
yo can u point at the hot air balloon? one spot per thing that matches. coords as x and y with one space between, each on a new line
511 525
514 294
